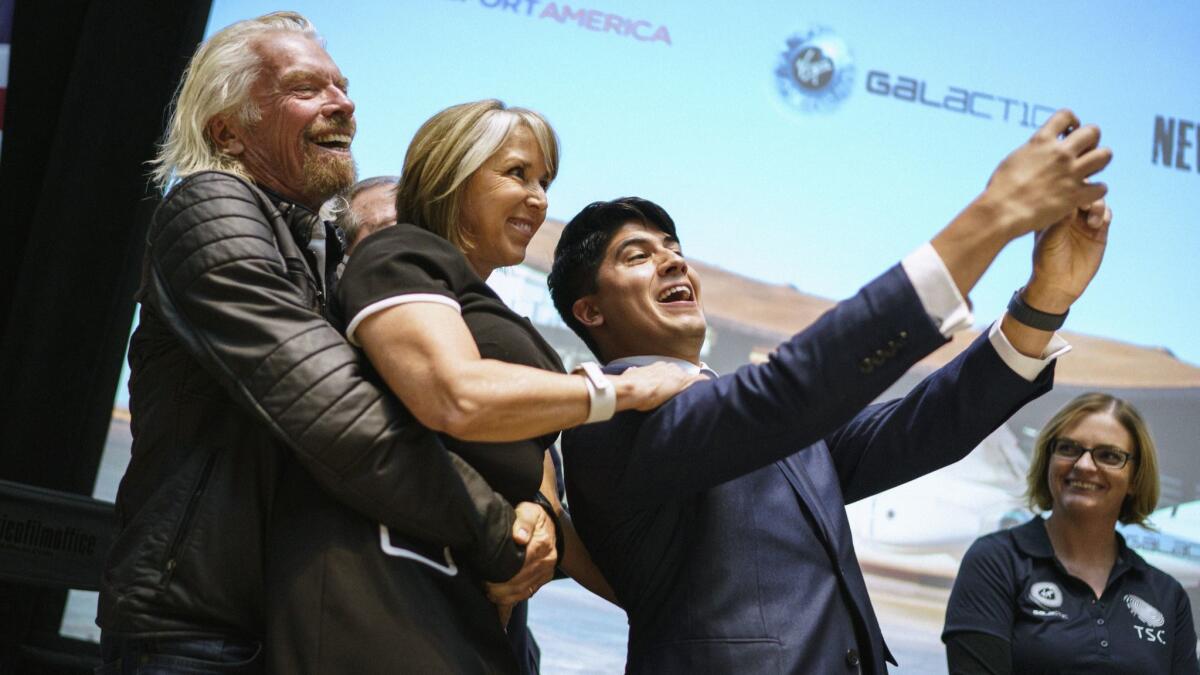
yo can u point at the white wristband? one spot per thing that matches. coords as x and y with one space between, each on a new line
602 395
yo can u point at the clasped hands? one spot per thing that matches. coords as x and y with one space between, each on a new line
1044 186
534 530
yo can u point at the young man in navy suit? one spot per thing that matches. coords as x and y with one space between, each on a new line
719 518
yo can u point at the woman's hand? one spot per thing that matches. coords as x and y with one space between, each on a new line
647 387
541 557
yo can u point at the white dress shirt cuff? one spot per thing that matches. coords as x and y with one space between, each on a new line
937 291
1026 366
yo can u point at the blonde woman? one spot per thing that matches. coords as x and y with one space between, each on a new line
471 196
1065 594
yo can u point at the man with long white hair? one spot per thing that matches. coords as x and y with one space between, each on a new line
237 379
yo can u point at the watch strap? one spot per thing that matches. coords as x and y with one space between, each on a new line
602 395
1031 317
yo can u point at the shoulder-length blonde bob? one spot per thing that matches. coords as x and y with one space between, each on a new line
447 149
217 81
1138 506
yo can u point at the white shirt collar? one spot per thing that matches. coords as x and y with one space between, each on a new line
686 366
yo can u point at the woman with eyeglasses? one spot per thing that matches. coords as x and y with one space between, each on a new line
1064 594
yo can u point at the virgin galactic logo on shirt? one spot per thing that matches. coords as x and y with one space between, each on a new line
1048 596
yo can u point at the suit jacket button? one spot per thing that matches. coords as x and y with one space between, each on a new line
866 366
852 659
891 349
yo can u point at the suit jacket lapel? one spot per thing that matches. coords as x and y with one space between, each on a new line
794 471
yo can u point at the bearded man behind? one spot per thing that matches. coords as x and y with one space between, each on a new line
235 371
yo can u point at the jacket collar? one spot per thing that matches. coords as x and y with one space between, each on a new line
300 219
638 361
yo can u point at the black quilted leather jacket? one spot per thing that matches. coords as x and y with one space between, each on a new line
235 371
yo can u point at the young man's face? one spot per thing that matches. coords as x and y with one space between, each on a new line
647 299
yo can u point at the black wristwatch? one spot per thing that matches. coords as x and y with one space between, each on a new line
1031 317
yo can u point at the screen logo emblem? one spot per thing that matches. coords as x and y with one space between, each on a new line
816 71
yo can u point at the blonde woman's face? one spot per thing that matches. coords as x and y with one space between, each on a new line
504 202
1083 487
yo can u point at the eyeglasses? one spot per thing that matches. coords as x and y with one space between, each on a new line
1103 455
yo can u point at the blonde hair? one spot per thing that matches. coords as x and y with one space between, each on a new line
1138 506
217 81
447 149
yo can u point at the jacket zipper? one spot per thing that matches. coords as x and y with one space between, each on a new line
186 521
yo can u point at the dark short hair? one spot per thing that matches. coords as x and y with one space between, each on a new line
581 249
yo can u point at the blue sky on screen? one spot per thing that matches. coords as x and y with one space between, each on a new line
823 200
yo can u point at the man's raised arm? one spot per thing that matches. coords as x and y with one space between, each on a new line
952 410
820 379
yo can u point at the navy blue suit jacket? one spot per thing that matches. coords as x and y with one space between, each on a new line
719 518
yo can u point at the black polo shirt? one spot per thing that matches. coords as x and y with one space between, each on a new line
1011 586
405 263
